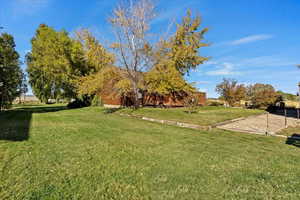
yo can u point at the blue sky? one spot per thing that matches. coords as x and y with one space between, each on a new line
251 40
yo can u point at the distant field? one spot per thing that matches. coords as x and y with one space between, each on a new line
207 115
27 99
292 104
290 131
47 152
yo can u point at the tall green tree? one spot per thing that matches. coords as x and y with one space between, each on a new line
54 64
10 72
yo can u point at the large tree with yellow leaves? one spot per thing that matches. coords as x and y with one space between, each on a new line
176 57
144 65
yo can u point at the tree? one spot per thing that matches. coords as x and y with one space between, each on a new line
176 57
55 62
46 62
166 80
58 65
10 71
145 65
131 22
165 63
261 95
95 55
95 83
185 44
100 61
231 91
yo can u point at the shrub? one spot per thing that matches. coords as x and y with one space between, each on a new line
78 103
215 103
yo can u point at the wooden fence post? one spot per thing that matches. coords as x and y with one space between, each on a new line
267 131
285 118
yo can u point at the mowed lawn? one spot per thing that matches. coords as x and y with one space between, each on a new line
51 153
207 115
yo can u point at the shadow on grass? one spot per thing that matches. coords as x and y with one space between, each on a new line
190 112
42 109
15 123
111 110
294 140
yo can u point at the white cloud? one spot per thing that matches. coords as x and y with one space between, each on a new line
203 90
250 39
225 70
201 82
259 61
267 61
211 62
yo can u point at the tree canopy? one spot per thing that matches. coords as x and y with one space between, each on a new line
57 61
231 91
11 75
176 57
52 63
143 65
262 95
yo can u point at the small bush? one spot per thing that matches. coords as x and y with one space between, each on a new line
215 103
78 103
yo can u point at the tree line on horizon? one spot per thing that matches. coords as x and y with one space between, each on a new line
257 95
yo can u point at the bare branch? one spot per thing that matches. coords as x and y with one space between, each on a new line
131 22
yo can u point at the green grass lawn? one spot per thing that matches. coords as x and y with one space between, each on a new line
52 153
207 115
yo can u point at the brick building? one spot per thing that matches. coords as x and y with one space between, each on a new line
112 100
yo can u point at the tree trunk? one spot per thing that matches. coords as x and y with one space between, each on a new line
136 98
